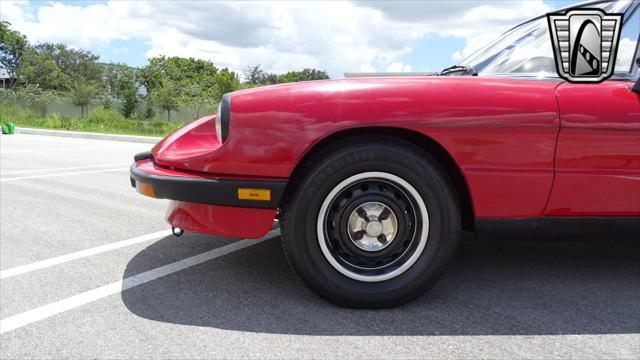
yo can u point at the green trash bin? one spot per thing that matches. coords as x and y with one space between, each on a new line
8 128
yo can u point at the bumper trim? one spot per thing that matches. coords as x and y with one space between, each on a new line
209 191
142 156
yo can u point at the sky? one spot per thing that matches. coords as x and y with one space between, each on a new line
336 36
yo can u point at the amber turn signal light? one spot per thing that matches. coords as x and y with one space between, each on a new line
145 189
254 194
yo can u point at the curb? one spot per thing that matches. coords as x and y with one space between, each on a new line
89 135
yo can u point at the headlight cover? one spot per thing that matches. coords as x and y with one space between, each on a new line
223 117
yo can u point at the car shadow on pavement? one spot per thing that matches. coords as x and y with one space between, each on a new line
489 289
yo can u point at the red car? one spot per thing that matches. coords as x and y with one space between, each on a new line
374 180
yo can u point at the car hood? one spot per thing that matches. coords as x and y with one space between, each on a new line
398 99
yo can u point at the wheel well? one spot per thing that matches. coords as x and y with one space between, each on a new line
434 149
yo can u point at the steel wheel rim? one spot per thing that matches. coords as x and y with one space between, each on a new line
418 241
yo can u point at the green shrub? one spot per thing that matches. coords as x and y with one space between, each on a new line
60 122
14 112
105 117
99 120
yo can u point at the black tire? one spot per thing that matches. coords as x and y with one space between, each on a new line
335 267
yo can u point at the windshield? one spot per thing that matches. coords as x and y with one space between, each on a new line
525 49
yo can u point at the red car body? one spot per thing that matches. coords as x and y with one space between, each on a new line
525 149
375 178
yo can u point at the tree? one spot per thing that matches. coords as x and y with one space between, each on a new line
255 76
12 45
166 97
194 98
105 99
195 82
129 101
304 75
81 95
121 82
180 72
36 69
35 98
226 81
79 65
147 111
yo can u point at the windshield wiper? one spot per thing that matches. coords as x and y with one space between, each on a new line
458 70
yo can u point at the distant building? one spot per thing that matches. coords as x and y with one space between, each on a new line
6 79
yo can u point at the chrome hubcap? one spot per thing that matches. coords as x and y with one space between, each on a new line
372 226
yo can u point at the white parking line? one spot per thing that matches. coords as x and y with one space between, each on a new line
62 168
30 149
62 174
18 270
57 149
46 311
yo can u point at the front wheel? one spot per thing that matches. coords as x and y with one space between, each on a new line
372 224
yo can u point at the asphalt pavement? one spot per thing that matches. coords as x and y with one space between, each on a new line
90 270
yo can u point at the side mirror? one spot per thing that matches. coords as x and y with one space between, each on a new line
636 87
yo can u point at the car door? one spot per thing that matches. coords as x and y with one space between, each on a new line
597 164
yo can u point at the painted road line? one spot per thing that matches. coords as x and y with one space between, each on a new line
43 312
62 174
59 169
19 270
57 149
29 149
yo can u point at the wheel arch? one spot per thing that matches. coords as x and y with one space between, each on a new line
433 148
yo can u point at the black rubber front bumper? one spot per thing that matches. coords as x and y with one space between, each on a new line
223 192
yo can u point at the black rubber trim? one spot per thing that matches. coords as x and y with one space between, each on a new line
559 228
209 191
142 156
225 115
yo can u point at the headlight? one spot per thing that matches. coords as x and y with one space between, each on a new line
223 117
219 121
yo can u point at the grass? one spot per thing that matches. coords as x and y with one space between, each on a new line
126 127
106 121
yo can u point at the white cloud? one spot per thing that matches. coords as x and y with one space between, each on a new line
367 68
79 26
473 43
398 66
624 58
335 36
